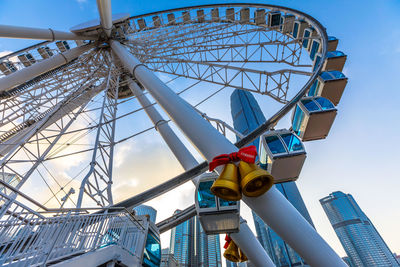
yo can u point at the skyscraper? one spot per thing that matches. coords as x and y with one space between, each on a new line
146 210
246 116
360 239
192 247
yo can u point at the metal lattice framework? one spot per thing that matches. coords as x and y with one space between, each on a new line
72 94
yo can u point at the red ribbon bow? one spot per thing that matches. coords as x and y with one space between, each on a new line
247 154
228 240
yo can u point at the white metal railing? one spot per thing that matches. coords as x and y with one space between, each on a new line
39 241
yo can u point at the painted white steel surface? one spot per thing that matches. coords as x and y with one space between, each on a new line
174 143
28 73
283 218
244 239
8 31
104 7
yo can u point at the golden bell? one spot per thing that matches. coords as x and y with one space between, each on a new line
242 256
227 184
232 252
255 181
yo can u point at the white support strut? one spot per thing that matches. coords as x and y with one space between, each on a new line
245 238
272 206
28 73
8 31
104 7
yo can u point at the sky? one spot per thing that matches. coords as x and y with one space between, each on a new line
360 155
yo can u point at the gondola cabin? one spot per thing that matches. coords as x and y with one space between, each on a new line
200 15
186 17
298 28
141 23
156 21
313 117
329 84
245 15
7 67
259 17
171 18
215 14
62 46
26 59
274 18
287 23
335 60
282 154
216 215
230 14
45 52
332 43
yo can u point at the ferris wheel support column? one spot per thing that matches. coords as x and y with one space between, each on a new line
8 31
104 7
28 73
245 238
284 219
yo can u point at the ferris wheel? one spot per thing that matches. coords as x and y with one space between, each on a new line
84 92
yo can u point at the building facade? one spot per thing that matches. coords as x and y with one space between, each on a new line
146 210
167 259
360 239
247 116
190 246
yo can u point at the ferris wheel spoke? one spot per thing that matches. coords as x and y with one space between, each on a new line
21 76
17 147
97 182
262 82
44 94
8 31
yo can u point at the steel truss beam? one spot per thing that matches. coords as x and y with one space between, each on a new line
97 182
58 120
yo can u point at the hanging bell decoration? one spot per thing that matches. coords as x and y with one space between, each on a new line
232 252
242 256
227 185
254 180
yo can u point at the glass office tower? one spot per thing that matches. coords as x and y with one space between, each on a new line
246 116
146 210
192 247
360 239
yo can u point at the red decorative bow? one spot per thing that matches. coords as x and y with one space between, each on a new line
228 240
247 154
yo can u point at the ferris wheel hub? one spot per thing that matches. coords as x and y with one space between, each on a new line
94 24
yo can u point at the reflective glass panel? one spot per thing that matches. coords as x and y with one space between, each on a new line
314 49
226 203
292 142
275 145
337 74
298 120
324 103
313 89
310 105
152 251
295 30
204 195
331 54
317 60
305 42
331 38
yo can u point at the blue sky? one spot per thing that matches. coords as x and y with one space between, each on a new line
361 154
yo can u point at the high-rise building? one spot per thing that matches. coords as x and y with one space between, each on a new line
192 247
246 116
146 210
360 239
9 178
167 259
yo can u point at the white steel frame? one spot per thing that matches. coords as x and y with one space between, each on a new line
39 102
